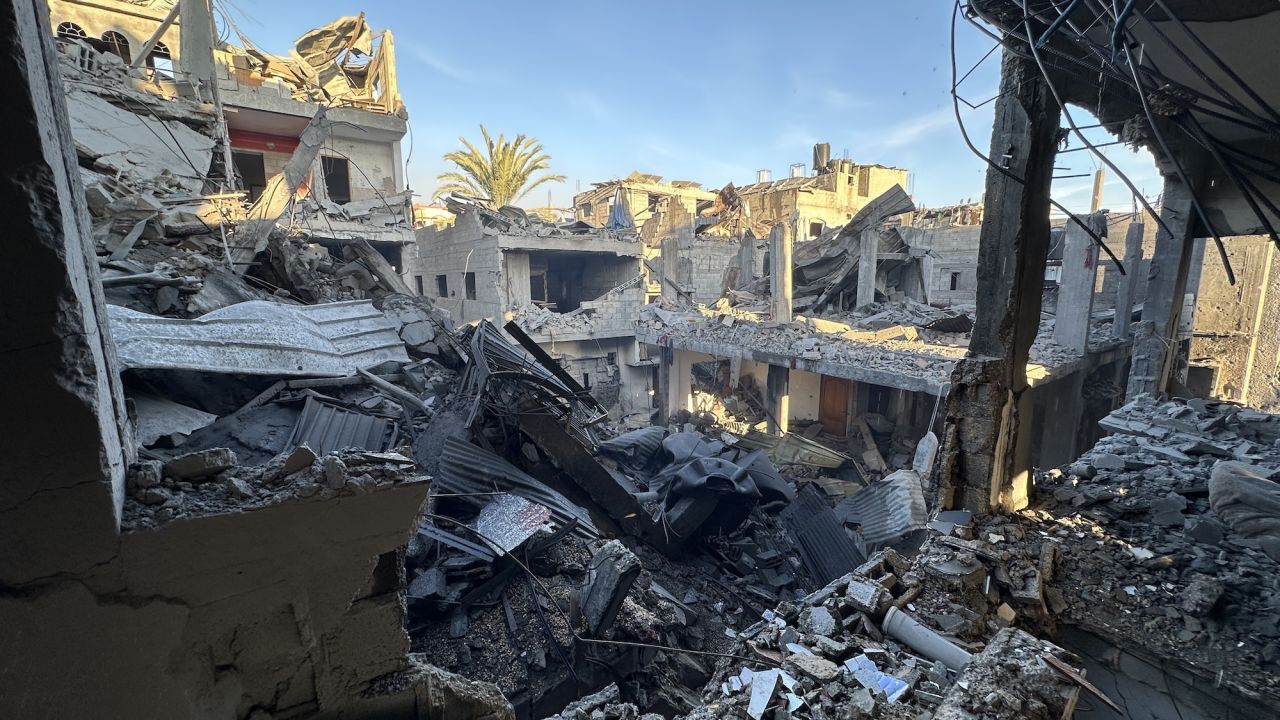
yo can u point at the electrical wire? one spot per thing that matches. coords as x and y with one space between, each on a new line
1066 115
964 133
1177 166
1188 123
569 625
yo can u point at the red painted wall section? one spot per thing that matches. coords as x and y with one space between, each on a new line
262 142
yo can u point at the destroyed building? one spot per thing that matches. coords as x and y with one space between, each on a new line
260 106
638 197
575 289
828 198
278 482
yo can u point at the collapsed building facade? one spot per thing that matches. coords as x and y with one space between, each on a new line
286 481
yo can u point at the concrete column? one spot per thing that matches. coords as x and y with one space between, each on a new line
1099 180
868 251
747 260
1127 289
986 455
62 479
1260 314
1156 339
195 51
678 381
1075 289
669 266
780 274
778 399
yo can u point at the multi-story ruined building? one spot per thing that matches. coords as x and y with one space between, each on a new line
356 183
576 290
828 198
643 195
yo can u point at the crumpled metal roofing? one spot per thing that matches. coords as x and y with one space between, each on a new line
325 427
466 468
260 337
888 509
825 548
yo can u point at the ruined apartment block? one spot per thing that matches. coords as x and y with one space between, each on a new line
576 290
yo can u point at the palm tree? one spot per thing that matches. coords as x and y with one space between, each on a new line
501 176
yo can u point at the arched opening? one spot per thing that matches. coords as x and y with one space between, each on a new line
70 31
118 45
161 60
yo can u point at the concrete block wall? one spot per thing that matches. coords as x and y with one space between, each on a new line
453 251
952 250
708 260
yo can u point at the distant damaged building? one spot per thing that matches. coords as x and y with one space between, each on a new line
575 289
312 139
830 197
637 197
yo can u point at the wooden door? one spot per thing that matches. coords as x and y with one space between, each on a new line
833 405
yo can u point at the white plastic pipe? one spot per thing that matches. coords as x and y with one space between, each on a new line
928 643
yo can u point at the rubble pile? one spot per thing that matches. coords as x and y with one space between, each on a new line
169 246
855 649
931 362
512 220
1168 532
538 319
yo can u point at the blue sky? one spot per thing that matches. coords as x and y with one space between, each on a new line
691 90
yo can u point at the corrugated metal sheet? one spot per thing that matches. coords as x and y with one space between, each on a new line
793 449
260 338
465 468
825 548
502 375
324 428
888 509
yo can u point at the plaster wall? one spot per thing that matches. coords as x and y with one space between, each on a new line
136 22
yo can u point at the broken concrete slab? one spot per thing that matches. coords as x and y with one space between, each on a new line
200 465
615 568
139 146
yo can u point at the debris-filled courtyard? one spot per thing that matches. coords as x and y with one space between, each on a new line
284 442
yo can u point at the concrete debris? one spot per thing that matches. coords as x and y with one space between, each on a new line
200 465
615 568
1149 559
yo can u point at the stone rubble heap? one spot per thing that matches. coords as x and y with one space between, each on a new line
1170 534
855 649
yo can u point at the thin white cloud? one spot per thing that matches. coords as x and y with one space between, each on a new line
838 99
589 103
419 53
912 129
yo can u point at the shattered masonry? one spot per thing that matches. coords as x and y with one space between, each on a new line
302 449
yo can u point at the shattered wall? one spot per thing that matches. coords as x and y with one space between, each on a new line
452 252
136 21
708 259
950 258
373 172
